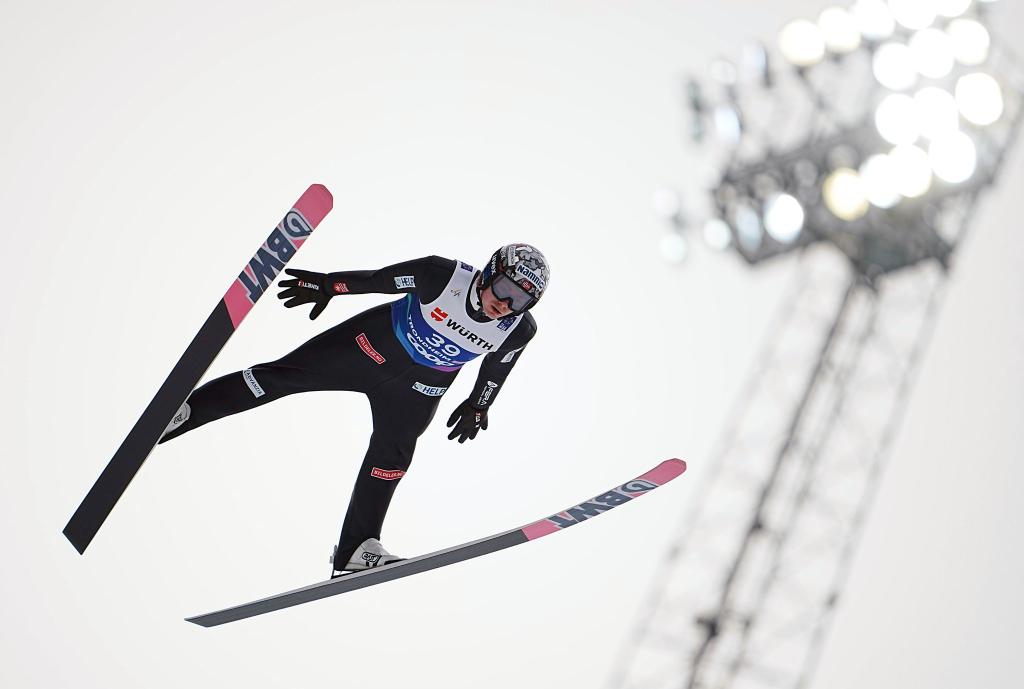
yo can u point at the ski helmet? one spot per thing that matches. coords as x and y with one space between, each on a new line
517 274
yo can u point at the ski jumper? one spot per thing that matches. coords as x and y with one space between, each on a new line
403 356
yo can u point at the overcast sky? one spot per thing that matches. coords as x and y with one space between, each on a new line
148 148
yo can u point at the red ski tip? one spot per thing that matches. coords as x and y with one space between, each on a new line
665 472
658 476
315 203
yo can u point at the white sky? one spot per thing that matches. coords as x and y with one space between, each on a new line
147 149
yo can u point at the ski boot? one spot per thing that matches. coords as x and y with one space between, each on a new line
368 555
181 417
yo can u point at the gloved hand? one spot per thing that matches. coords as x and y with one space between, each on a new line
307 288
467 421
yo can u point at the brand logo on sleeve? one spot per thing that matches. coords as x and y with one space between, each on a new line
510 356
486 393
387 474
340 287
364 344
428 390
405 282
438 315
465 266
250 380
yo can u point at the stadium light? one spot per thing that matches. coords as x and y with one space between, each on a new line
932 53
893 66
757 65
953 157
783 217
879 177
749 232
913 14
801 43
844 194
716 234
979 98
912 170
970 40
896 119
839 30
901 118
727 123
878 157
951 8
674 247
873 18
937 113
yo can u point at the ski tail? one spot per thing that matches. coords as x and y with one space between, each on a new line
255 277
660 475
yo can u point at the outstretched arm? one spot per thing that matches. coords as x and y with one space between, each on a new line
308 287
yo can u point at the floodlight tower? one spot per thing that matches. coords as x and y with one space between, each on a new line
865 156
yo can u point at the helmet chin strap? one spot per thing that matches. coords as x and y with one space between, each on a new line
475 294
475 300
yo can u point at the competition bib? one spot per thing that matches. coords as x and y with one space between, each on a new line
441 334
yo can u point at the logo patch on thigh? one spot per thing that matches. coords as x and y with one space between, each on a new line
387 474
250 380
364 344
428 390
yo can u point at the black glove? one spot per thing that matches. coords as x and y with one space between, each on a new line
468 421
307 288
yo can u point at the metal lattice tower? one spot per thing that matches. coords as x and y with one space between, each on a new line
747 591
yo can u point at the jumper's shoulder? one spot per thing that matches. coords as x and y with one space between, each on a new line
524 331
432 274
440 263
528 325
436 271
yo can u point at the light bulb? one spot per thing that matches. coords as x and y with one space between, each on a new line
844 194
893 66
879 179
937 113
912 169
979 98
932 51
839 30
783 217
801 43
970 41
953 157
896 119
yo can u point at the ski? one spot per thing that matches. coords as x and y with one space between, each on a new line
658 476
315 203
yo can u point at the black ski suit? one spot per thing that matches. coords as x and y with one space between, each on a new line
365 354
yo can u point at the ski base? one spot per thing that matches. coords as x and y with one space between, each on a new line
242 294
660 475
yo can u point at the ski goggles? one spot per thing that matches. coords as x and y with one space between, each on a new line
505 289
